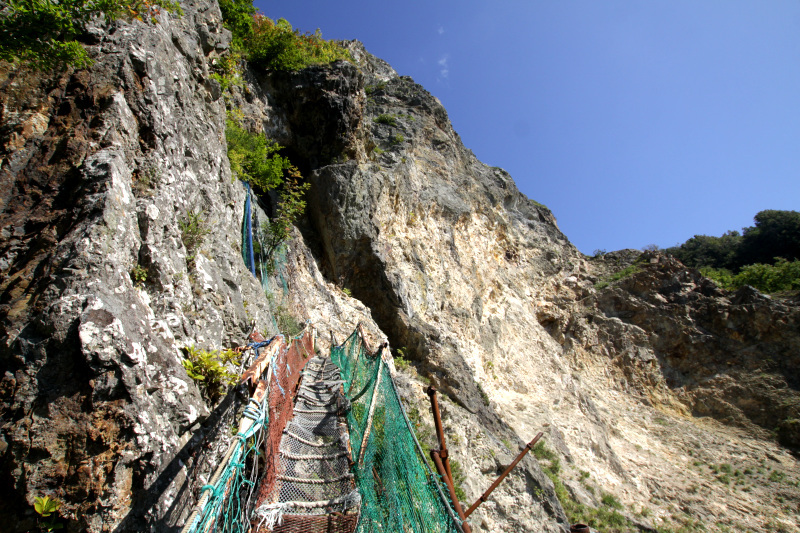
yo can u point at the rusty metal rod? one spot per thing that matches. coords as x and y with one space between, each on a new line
503 475
444 455
437 419
437 460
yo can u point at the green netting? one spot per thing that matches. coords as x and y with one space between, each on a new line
398 490
271 272
227 498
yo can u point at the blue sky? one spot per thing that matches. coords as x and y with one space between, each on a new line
637 122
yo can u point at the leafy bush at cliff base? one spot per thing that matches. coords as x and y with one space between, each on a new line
782 276
45 33
276 45
210 369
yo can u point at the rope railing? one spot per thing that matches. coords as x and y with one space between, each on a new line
226 502
377 465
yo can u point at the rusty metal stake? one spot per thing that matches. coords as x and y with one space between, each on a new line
503 475
441 460
437 421
437 460
437 417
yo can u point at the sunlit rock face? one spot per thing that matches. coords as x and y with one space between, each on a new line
645 387
99 169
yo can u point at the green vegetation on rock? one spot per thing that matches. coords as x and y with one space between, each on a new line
605 518
194 229
237 16
47 507
211 370
254 158
45 34
385 119
775 234
616 276
765 256
275 44
782 276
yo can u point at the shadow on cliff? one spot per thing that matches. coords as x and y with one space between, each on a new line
173 518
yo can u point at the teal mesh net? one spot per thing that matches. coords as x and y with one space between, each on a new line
398 490
224 501
271 272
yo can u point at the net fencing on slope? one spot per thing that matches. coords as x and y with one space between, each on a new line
226 503
344 447
313 489
263 265
398 490
288 365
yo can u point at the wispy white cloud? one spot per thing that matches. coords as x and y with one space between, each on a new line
444 70
440 29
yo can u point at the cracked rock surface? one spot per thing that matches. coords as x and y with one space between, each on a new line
677 398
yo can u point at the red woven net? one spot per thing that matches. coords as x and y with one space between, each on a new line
307 486
331 523
286 369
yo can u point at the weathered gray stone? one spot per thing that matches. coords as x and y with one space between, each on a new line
632 384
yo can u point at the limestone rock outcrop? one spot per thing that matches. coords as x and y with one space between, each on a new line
653 390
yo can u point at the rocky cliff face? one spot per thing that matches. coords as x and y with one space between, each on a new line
99 170
646 389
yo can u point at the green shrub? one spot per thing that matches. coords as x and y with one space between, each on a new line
290 207
254 158
237 16
400 361
541 451
285 321
369 89
276 45
484 396
782 276
721 276
210 370
228 72
47 507
139 274
44 33
775 234
776 476
194 229
625 272
458 479
385 119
